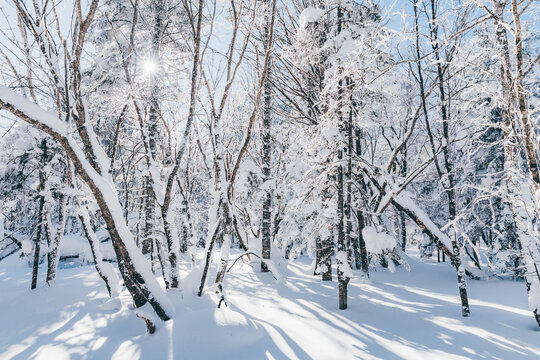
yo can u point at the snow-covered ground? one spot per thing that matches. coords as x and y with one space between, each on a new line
412 315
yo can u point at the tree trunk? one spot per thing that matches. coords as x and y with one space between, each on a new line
209 250
53 255
326 260
147 242
93 166
361 254
41 215
341 250
402 222
318 255
37 247
104 270
267 146
513 94
362 250
173 245
348 183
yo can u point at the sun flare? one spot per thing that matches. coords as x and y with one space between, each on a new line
149 66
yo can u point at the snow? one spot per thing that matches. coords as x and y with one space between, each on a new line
75 245
27 246
330 133
376 242
113 304
1 226
405 200
534 295
103 182
33 111
341 258
310 15
397 315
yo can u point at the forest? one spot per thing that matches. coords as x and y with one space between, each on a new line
270 179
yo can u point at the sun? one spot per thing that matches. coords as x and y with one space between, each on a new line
149 66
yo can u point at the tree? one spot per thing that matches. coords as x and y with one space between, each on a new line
88 156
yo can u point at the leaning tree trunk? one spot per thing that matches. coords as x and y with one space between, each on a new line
93 166
136 273
104 270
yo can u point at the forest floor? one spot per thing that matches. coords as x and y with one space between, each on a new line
410 315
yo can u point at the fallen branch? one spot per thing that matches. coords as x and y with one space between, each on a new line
150 326
247 253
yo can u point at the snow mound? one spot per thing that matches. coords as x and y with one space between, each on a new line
113 304
377 242
74 245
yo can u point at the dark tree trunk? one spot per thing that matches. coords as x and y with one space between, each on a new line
318 255
402 222
147 243
362 250
208 259
361 254
37 246
326 260
41 215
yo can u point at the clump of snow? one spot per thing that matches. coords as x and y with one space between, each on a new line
330 133
534 296
273 269
341 258
322 268
405 200
27 246
377 242
310 15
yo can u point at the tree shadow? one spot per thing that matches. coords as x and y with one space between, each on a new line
378 323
